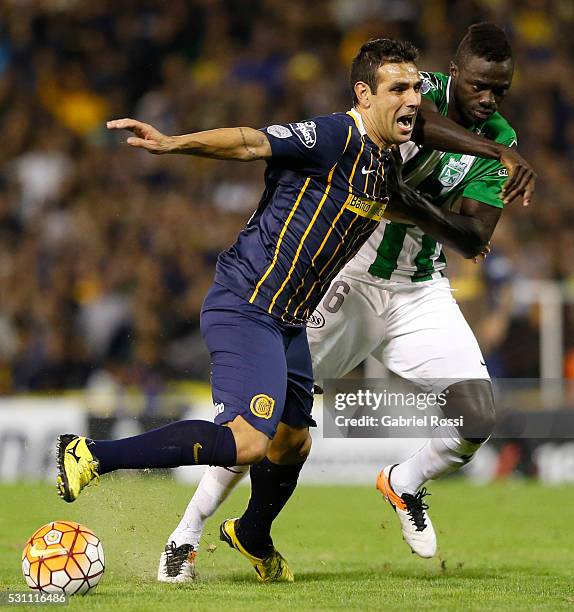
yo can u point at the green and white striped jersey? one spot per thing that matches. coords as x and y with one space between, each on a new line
404 253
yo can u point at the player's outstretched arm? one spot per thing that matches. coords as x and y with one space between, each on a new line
435 131
240 144
468 232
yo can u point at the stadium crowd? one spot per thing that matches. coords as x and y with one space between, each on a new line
106 253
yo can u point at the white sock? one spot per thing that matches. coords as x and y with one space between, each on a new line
214 487
438 457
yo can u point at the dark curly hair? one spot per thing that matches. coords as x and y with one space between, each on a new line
373 54
485 40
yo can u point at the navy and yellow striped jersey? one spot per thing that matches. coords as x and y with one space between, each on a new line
324 195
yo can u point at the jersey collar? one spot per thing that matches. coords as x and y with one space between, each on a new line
358 121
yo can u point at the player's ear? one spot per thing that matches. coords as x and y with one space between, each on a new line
362 91
453 69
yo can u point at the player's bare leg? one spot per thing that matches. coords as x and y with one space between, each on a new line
402 484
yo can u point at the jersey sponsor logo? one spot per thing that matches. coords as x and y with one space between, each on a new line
306 132
366 208
452 173
262 405
219 408
279 131
316 320
365 171
429 81
425 86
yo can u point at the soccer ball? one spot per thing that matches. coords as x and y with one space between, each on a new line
63 557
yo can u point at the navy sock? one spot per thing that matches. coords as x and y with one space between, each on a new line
180 443
271 487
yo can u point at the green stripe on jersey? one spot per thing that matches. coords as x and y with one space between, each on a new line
423 261
389 250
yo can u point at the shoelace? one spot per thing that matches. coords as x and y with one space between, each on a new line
89 473
273 566
175 557
416 507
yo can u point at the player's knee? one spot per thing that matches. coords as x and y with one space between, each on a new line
251 451
473 400
251 445
290 446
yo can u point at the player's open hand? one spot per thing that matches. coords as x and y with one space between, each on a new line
521 177
146 136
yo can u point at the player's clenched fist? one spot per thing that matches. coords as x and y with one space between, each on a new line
146 136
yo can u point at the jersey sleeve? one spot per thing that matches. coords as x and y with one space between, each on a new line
487 186
312 147
433 88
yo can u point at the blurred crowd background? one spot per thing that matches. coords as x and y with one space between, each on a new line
106 252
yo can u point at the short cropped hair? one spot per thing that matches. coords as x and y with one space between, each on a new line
373 54
485 40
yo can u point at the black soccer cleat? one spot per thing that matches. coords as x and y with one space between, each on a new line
177 563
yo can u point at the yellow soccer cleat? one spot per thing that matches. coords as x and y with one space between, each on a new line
77 467
272 568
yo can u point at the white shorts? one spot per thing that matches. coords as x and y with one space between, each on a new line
416 330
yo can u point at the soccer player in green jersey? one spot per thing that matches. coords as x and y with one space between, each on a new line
393 301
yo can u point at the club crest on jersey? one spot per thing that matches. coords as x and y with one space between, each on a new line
316 320
279 131
306 131
452 173
262 405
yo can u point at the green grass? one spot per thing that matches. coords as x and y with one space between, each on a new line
507 546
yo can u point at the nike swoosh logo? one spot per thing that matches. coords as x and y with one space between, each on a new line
482 363
47 552
365 171
196 447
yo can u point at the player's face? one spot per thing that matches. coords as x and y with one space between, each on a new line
479 86
395 105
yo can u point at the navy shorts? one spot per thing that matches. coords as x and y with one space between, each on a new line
260 368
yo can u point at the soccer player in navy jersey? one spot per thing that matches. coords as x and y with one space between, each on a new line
325 193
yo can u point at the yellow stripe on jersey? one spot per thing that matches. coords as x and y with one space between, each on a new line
366 208
368 173
345 206
377 175
280 240
352 175
310 292
303 238
331 228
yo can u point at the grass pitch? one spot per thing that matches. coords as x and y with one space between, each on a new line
505 546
